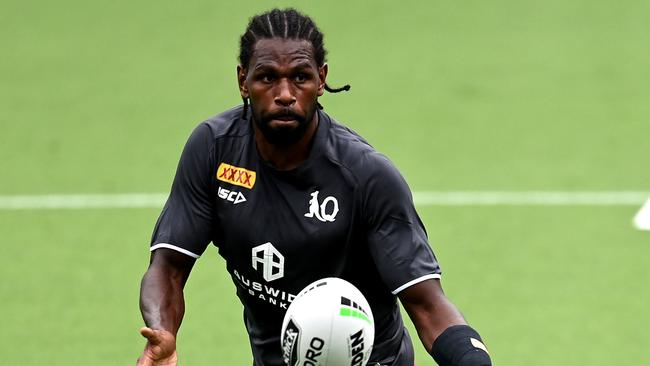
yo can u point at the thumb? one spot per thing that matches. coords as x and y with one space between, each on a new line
151 335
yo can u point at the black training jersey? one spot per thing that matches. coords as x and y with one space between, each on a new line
345 212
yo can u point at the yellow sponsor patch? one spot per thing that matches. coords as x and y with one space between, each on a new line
236 175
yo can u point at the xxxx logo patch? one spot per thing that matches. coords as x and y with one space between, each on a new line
236 175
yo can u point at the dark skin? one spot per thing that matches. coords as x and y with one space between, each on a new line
282 75
162 305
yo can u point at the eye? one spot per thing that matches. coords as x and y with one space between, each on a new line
301 77
266 78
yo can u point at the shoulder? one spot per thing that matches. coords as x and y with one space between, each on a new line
225 124
382 188
351 151
214 134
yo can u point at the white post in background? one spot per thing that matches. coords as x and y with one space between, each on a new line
642 218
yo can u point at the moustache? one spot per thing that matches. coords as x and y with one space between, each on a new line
285 114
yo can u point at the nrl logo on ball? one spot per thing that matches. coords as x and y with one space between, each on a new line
289 341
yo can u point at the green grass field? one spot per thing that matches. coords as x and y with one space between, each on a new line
477 96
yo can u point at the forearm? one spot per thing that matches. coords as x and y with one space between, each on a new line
434 317
442 329
161 299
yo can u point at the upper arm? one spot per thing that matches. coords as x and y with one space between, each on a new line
187 220
396 236
175 264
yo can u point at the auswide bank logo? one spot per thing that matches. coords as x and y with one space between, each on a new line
236 175
267 259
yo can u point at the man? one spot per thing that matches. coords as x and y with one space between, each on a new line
289 196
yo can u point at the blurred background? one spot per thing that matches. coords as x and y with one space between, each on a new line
509 96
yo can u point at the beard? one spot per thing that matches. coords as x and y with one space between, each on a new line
283 135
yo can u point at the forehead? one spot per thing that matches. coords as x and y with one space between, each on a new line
279 50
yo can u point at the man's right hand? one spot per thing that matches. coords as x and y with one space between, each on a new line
160 349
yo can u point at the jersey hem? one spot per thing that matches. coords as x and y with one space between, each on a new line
417 280
173 247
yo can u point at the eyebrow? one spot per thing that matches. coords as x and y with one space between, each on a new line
300 64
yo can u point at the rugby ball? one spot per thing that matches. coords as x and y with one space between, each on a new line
329 323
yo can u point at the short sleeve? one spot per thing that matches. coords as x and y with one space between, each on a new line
396 236
186 221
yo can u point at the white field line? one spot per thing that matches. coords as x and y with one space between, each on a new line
422 198
531 198
82 201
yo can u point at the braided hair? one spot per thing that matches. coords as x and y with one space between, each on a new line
285 24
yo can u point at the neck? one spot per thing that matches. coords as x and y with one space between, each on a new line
286 157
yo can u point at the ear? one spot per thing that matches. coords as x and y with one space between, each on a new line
322 75
241 80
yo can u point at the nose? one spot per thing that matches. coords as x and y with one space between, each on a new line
284 93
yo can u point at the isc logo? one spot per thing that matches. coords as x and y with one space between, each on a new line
231 196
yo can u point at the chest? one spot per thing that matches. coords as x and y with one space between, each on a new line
302 220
